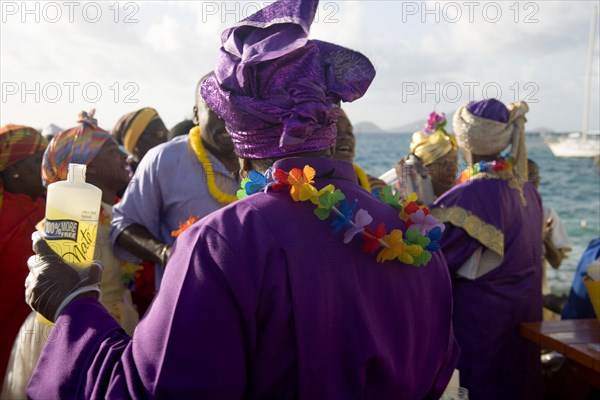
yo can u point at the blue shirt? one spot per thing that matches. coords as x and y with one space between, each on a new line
579 305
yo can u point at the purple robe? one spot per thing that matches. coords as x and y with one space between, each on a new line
261 300
495 361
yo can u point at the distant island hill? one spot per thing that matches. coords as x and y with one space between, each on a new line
367 127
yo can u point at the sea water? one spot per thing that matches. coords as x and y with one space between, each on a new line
570 185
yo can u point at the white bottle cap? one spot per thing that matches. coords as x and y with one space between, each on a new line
76 173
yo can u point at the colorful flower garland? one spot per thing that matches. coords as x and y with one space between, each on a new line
412 247
198 148
501 168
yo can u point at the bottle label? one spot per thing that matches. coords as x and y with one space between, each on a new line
74 240
61 229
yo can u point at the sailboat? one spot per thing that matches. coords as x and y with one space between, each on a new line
580 144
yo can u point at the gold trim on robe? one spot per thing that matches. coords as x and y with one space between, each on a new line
484 233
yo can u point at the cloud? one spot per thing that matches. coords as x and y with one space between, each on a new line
167 46
165 36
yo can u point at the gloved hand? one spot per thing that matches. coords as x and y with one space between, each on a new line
137 240
53 283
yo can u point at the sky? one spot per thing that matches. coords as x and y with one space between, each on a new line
58 58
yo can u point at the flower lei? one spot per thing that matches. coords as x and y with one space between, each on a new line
412 247
184 225
198 148
501 168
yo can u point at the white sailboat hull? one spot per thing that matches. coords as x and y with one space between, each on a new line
573 147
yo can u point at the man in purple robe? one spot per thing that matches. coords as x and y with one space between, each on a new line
260 299
493 249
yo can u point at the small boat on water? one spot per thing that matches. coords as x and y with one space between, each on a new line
575 145
579 144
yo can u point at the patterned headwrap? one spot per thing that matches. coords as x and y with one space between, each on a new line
433 142
277 91
76 145
488 127
17 142
130 127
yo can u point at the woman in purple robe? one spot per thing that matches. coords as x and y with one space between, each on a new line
493 248
260 299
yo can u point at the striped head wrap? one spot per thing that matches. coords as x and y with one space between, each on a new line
131 126
76 145
18 142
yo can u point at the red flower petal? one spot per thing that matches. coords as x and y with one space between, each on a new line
411 207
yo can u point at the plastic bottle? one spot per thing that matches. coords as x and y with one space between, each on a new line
72 212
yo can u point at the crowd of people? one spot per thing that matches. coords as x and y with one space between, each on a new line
243 253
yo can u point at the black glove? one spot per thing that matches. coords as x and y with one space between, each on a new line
139 241
53 283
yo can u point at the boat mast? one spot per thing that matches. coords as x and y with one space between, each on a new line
588 78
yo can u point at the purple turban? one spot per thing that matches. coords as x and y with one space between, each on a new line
488 127
490 109
277 91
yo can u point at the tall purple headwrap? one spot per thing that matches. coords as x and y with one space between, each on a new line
277 91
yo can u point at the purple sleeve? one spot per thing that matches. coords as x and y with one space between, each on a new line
141 204
457 247
456 244
71 352
192 342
